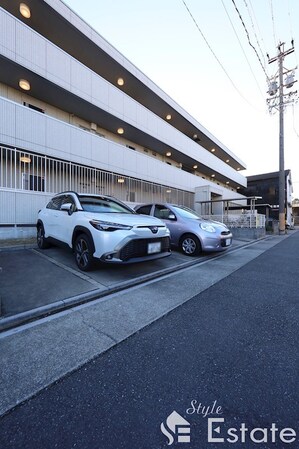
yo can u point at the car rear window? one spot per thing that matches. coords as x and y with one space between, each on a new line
146 210
185 212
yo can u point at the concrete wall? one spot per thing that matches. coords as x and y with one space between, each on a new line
248 233
19 215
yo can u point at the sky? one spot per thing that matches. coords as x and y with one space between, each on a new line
211 58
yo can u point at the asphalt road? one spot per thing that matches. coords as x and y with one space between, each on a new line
234 346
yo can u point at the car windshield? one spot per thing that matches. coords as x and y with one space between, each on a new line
103 205
185 212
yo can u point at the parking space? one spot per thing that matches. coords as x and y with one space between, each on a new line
33 278
29 281
110 275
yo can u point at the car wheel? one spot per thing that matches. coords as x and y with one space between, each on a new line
41 240
190 245
83 253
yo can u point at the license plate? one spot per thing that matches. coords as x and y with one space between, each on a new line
154 248
228 242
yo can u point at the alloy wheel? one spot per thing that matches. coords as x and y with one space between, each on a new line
83 252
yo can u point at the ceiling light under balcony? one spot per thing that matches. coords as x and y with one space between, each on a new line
213 150
195 166
26 159
120 131
24 84
120 180
120 81
168 117
168 154
25 10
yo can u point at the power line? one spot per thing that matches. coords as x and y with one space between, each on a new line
291 28
213 53
295 131
248 38
253 28
236 34
273 23
290 19
261 37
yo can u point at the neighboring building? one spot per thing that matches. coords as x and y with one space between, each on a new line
75 114
295 207
266 186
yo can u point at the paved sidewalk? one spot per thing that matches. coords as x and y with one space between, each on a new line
37 354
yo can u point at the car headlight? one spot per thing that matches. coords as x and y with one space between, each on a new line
207 227
109 227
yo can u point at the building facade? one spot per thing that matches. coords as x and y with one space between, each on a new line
295 208
266 187
75 114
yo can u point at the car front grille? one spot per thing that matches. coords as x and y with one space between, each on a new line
139 248
225 232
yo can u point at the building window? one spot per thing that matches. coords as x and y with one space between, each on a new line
33 182
84 128
132 197
35 108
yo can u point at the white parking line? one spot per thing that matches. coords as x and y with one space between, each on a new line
69 269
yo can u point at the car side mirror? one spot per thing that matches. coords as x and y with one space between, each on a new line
68 207
171 217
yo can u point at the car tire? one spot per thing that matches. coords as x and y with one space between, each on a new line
190 245
83 252
41 240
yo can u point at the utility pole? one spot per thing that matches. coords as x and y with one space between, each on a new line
278 100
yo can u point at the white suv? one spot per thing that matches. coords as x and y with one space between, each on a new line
101 227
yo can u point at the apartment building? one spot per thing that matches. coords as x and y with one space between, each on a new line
266 187
75 114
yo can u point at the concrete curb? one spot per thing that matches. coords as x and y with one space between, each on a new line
18 247
64 304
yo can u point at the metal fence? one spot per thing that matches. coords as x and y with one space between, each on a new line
36 173
240 220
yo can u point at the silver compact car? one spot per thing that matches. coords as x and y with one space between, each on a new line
189 231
